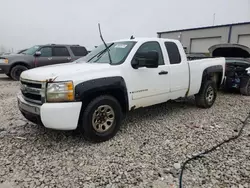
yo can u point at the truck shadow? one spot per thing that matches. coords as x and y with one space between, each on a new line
159 110
5 78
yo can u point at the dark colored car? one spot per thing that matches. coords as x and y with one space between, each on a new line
237 66
40 55
237 76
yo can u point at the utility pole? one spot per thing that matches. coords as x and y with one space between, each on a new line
213 19
248 10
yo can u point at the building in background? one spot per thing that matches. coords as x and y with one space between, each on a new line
199 40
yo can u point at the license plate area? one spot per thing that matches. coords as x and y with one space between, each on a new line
28 108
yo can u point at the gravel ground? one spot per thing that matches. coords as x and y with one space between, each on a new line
147 152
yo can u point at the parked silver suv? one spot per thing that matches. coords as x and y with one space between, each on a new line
40 55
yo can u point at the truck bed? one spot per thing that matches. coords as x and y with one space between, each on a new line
196 69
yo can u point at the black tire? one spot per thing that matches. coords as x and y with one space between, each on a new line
245 90
207 94
16 71
88 118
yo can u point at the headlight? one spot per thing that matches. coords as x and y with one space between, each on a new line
4 61
60 92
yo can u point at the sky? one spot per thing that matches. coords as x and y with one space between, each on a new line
24 23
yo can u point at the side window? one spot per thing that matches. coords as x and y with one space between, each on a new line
79 51
173 53
152 46
60 51
46 52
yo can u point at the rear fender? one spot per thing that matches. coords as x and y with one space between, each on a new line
214 73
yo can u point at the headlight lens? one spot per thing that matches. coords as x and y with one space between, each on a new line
4 61
60 92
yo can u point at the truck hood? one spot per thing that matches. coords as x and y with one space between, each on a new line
60 72
13 56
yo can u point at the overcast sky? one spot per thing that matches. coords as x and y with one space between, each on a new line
24 23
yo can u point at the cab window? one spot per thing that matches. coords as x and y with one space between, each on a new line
46 52
152 46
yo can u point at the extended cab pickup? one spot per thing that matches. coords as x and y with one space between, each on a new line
93 93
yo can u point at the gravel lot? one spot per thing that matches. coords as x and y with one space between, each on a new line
147 152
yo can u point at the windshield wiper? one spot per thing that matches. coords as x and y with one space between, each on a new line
101 52
110 61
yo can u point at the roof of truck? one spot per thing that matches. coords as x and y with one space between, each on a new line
61 45
146 39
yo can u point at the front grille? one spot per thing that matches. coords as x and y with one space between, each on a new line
33 91
32 96
35 85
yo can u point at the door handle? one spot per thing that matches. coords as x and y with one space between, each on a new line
49 58
163 72
69 58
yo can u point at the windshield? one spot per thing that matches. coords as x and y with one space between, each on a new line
118 53
31 51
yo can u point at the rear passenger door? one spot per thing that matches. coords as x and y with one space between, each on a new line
179 71
60 54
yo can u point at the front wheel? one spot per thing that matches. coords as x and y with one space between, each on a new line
207 95
16 71
101 119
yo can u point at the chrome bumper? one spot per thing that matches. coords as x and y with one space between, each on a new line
25 106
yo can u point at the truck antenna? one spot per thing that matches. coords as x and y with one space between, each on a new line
132 37
99 26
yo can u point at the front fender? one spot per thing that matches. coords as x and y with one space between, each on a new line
114 86
23 63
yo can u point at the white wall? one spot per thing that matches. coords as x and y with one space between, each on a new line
187 36
200 45
239 30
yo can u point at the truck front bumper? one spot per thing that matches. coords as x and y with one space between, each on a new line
59 116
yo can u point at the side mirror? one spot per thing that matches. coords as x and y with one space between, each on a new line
38 53
145 59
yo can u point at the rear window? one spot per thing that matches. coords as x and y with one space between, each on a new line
79 51
173 53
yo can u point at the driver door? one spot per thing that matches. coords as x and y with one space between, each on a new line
151 85
45 58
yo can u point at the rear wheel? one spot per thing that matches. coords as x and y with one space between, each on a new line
101 119
16 71
245 90
207 95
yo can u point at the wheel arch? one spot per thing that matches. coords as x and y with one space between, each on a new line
114 86
19 63
214 73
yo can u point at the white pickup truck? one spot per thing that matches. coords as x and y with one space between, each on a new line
94 93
